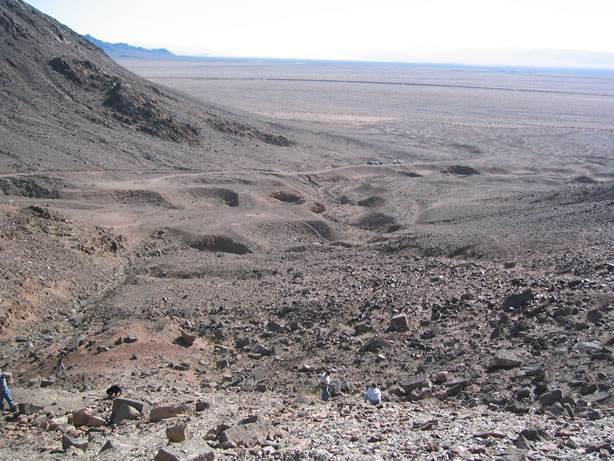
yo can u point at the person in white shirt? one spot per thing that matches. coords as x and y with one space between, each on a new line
324 384
373 395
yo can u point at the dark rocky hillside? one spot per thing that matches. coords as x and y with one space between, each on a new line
66 105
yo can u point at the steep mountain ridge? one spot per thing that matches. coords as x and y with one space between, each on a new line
67 106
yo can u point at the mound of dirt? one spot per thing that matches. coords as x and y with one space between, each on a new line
288 197
461 170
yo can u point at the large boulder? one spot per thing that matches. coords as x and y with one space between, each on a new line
118 415
166 412
247 435
187 451
28 409
419 382
84 418
124 413
177 433
136 404
187 338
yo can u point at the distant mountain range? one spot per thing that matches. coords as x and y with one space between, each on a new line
123 50
538 58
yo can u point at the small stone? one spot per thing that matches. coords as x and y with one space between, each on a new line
109 445
362 327
439 377
221 364
200 406
505 361
550 397
376 438
399 323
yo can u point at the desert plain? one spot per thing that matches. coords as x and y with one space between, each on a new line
213 234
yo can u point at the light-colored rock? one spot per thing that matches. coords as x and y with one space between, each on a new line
42 422
166 412
247 435
178 432
83 417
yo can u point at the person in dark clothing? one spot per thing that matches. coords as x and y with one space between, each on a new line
5 393
59 365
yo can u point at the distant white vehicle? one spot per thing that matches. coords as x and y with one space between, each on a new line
396 162
374 162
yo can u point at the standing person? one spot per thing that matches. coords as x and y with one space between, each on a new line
373 395
324 384
5 393
59 364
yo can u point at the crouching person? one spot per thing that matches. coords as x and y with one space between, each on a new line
373 395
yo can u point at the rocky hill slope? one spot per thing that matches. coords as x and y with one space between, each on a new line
214 265
67 106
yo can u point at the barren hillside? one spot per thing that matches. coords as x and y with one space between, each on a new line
214 262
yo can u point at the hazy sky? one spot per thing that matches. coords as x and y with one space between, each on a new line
340 29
